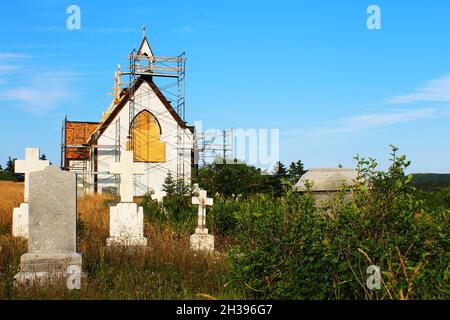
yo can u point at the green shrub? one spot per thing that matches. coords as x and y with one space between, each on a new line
7 176
289 249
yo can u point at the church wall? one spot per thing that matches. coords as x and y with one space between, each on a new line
118 131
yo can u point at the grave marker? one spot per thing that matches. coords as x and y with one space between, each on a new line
201 240
21 214
126 222
52 228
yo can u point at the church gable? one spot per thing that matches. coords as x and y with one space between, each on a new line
145 49
140 118
147 81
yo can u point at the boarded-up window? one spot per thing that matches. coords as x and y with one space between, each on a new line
146 142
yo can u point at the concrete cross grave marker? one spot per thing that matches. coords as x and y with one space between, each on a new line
27 166
126 221
159 196
202 201
30 164
201 240
52 230
127 168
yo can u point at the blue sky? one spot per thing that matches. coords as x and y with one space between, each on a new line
312 69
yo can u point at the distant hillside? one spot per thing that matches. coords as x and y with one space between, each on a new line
431 181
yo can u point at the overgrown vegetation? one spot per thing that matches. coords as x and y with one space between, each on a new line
287 249
272 243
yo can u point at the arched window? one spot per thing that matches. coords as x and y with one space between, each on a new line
146 132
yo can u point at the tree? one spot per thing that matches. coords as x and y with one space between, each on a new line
296 171
182 188
280 169
10 165
44 157
170 185
233 179
1 169
280 174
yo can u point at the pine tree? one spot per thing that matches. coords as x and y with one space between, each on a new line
10 165
44 157
278 178
170 185
279 170
182 188
1 169
296 171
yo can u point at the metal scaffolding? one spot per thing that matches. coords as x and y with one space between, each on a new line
214 146
170 74
167 68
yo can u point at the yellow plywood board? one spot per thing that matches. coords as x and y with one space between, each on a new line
146 133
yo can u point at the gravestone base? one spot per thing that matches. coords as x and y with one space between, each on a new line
39 268
126 225
126 242
202 241
20 221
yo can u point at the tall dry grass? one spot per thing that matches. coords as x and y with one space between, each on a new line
165 269
11 195
93 209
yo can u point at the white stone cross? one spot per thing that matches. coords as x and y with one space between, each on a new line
30 164
127 168
159 196
202 201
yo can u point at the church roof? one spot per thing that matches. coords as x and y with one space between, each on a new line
326 179
103 125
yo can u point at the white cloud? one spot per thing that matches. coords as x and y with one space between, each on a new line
437 90
12 56
363 122
44 93
7 68
5 62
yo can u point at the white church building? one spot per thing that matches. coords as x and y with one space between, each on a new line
143 118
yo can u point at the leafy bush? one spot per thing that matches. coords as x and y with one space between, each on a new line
288 248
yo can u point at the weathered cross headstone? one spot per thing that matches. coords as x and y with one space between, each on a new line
159 196
30 164
52 229
126 222
201 240
127 168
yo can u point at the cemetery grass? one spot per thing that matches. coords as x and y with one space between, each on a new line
166 269
269 246
11 195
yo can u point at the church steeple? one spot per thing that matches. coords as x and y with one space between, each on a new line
145 48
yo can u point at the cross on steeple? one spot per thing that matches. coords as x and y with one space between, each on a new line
144 48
